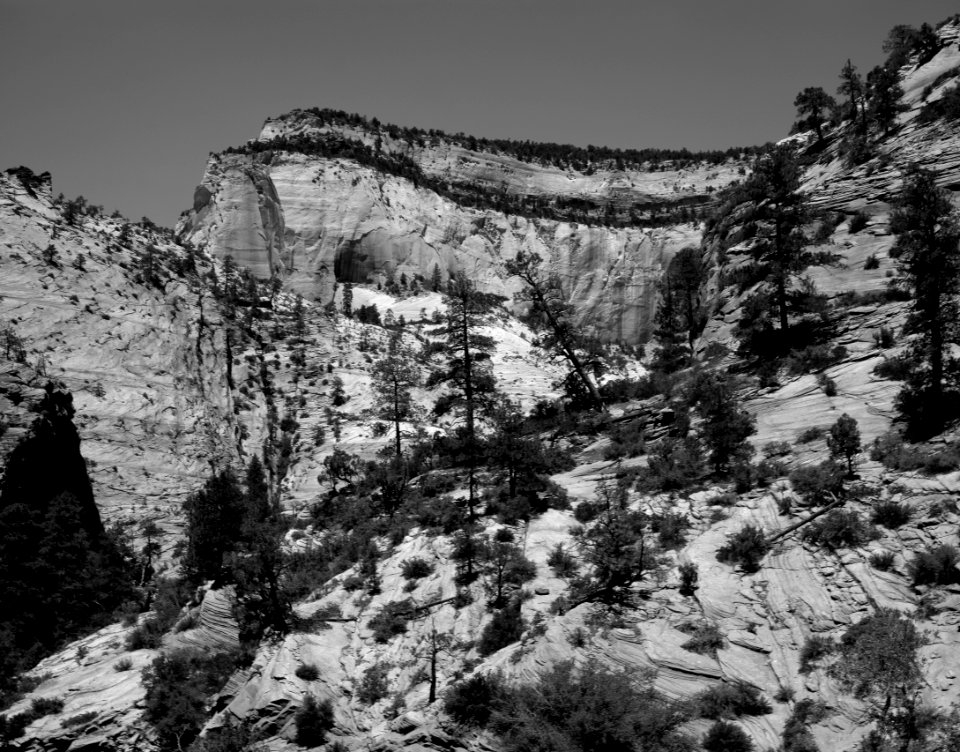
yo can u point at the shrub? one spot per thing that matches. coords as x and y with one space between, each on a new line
891 514
416 568
882 560
562 562
813 650
505 628
828 385
885 338
745 547
839 529
705 639
936 567
313 719
688 578
391 620
586 511
42 706
177 687
811 434
857 222
626 441
726 737
588 709
796 735
815 482
124 664
731 700
673 464
472 701
373 685
308 672
814 358
872 262
670 528
895 368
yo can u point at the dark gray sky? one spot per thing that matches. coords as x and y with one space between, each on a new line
122 99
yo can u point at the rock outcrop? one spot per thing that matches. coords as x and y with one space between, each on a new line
318 221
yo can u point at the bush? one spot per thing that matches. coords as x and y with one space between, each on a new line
177 687
586 511
882 560
839 529
885 338
670 528
796 735
313 719
373 685
813 650
674 464
307 672
391 620
688 578
42 706
471 701
124 664
936 567
726 737
891 514
816 482
731 700
416 568
828 385
562 562
895 368
626 441
588 709
745 547
858 221
705 639
872 262
505 628
814 358
811 434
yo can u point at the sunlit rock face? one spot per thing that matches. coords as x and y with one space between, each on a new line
320 221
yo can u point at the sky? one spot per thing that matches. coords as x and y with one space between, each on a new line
122 100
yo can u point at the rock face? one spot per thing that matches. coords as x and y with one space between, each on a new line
318 221
146 364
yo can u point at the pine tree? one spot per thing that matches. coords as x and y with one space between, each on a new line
468 371
435 279
780 255
394 376
851 87
214 520
726 425
844 440
551 317
883 86
347 302
928 233
812 103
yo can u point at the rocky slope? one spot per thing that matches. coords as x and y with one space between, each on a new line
174 401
